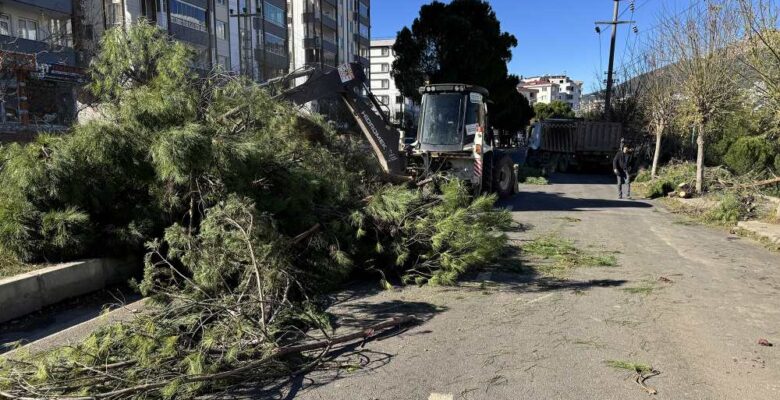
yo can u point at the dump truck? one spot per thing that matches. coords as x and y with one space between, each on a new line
454 135
561 144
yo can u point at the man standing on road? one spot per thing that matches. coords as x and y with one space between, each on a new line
621 165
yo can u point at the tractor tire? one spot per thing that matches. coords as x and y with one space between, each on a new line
504 179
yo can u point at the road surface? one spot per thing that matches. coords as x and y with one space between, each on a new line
521 336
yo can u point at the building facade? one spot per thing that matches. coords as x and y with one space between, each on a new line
39 72
549 88
326 33
247 37
400 109
45 44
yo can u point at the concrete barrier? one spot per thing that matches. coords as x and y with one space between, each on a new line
26 293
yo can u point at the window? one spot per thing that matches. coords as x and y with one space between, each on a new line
114 13
364 31
383 67
186 14
274 14
224 62
221 2
365 52
399 99
384 99
5 25
385 83
363 9
221 30
274 44
27 29
385 51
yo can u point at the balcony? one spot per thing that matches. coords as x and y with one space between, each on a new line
317 43
327 45
45 53
325 20
361 40
362 60
333 3
189 34
311 43
330 22
59 6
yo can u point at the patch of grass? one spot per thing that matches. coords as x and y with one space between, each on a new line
669 176
643 176
560 255
599 260
590 343
730 209
531 176
536 180
10 265
639 368
645 288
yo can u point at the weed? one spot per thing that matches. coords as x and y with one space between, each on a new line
531 176
639 368
729 210
10 264
561 255
590 343
536 180
645 288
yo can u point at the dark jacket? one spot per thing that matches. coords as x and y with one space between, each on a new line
622 162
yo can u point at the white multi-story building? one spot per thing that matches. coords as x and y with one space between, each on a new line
549 88
383 85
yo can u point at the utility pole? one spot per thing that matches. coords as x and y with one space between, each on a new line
610 71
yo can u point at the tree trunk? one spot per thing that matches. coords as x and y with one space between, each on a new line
700 160
659 130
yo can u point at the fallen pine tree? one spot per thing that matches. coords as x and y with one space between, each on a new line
243 217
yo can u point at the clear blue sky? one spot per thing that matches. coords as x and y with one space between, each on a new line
554 36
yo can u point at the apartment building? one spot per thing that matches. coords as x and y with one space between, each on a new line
247 37
326 33
39 73
549 88
383 86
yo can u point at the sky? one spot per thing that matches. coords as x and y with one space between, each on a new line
554 36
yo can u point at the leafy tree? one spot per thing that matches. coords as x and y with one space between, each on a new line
554 109
460 42
698 49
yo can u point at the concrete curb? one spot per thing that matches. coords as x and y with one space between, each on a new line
26 293
78 333
770 232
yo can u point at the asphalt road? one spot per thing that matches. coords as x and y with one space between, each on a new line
520 336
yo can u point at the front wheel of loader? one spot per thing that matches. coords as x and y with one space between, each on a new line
504 179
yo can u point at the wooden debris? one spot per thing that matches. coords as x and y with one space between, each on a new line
764 342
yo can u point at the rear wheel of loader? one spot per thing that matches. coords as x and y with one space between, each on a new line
504 179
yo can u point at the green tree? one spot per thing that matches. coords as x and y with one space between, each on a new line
555 109
513 111
460 42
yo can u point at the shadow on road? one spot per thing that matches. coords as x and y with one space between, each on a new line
548 201
353 359
581 179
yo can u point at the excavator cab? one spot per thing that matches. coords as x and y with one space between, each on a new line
451 116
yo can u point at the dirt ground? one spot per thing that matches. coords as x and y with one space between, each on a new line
689 300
